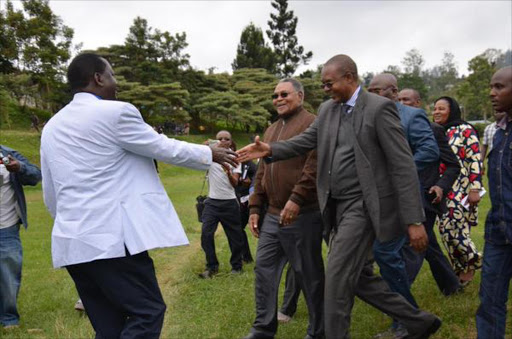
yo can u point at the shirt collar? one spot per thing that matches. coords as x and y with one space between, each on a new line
352 101
83 92
503 122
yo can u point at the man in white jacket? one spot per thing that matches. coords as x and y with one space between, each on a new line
108 204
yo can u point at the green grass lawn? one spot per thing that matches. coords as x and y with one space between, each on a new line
219 308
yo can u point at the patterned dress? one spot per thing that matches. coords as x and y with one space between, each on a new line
455 224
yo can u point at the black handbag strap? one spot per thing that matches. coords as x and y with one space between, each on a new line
204 182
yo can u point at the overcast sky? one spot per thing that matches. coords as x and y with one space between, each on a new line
374 33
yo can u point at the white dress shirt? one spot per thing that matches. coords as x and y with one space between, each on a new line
100 183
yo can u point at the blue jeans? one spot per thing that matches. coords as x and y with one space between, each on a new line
494 285
10 274
388 256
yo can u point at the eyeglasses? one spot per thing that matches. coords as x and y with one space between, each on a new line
327 84
282 94
223 138
331 83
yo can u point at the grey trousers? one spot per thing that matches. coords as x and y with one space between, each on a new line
301 244
350 273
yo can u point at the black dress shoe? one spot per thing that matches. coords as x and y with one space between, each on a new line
428 332
257 336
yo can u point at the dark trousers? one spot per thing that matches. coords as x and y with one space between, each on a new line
301 245
292 288
291 293
442 271
227 212
244 219
350 273
121 296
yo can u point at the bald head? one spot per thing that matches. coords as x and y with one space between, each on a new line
339 78
343 64
409 97
501 90
385 85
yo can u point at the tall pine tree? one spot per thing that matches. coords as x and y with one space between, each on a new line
253 52
282 34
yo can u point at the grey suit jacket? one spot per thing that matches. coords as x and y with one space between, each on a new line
384 162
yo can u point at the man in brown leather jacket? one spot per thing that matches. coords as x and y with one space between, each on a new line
292 226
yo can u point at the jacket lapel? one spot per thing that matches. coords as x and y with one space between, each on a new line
358 111
334 122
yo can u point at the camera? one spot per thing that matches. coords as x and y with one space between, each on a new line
5 159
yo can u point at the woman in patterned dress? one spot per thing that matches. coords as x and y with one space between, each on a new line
455 224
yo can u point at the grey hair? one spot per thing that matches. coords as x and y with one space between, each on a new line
297 85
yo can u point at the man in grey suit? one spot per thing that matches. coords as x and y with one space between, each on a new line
367 187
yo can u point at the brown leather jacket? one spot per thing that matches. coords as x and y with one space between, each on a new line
293 179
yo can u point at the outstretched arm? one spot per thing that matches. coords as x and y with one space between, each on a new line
258 149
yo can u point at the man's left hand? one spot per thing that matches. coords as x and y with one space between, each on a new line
14 165
289 213
418 237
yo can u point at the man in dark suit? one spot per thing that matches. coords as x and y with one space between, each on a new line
391 256
367 188
435 189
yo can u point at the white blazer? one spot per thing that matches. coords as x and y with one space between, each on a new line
100 183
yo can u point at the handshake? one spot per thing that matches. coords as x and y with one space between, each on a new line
225 156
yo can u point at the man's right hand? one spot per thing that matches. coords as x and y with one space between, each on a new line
223 156
258 149
253 224
418 237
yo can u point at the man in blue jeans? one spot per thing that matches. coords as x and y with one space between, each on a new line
497 267
15 171
423 145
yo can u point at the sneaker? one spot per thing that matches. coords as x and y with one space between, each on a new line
283 318
207 274
79 306
11 327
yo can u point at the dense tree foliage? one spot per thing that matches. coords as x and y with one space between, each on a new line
35 47
474 89
253 52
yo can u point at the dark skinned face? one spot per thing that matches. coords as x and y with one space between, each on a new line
501 91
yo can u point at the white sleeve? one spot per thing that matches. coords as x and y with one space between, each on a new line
134 135
49 195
